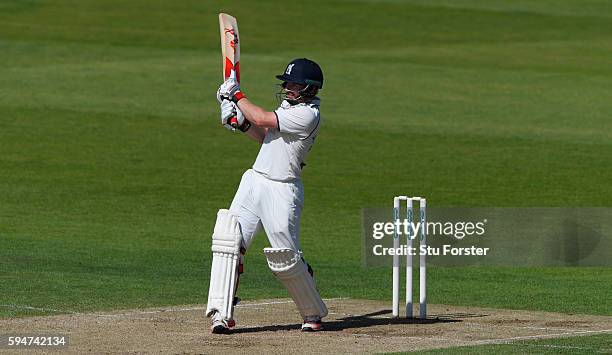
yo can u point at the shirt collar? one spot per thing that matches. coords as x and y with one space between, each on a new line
316 101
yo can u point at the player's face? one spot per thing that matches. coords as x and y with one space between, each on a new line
292 90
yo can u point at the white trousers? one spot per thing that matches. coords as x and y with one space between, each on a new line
275 205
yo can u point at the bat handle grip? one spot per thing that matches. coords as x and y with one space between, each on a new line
233 121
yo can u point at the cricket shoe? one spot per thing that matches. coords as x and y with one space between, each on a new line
222 326
311 324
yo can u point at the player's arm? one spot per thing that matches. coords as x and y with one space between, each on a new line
229 110
230 90
257 115
258 120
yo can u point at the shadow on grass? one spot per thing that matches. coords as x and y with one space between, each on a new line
364 321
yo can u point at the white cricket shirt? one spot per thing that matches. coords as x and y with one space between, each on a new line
284 148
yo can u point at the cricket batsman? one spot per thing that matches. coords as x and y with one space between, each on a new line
270 195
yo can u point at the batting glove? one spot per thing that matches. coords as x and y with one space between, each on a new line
229 90
228 111
232 118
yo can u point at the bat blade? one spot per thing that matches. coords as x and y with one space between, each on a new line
230 45
230 49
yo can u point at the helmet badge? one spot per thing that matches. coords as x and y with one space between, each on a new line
289 68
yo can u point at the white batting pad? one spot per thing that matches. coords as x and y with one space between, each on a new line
291 270
226 241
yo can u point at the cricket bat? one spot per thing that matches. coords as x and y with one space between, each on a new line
230 49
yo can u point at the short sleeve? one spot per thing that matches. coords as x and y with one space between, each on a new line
300 120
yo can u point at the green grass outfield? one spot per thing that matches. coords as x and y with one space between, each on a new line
113 163
571 345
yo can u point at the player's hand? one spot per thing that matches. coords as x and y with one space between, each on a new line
228 110
228 90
